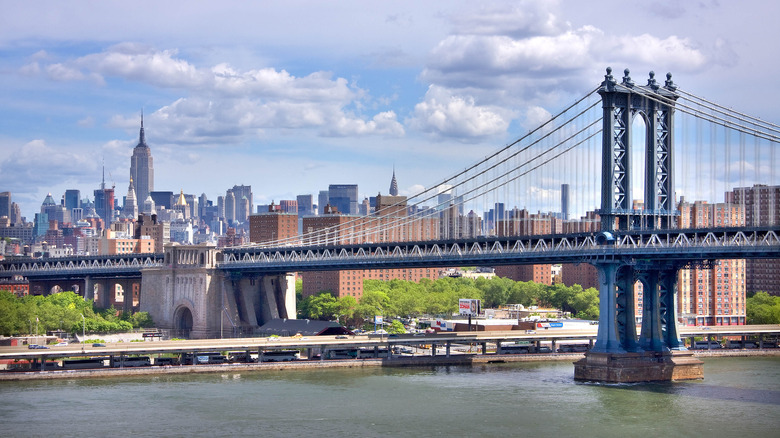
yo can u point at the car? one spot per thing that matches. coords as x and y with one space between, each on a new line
36 346
530 332
98 344
61 344
342 337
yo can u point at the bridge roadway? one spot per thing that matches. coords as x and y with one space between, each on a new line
331 342
677 246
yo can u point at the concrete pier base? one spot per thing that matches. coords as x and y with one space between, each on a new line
638 367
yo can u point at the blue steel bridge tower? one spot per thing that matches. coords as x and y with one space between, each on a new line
618 354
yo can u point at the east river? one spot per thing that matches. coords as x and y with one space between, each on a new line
738 397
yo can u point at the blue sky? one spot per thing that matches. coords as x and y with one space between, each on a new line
292 96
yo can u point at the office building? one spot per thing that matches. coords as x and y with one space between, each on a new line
162 200
305 205
322 201
565 202
344 197
393 185
5 204
130 209
141 166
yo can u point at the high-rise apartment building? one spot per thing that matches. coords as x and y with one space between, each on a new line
141 167
388 224
711 295
272 226
762 209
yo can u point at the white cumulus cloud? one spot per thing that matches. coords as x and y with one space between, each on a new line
443 114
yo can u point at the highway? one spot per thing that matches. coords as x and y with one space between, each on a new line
442 339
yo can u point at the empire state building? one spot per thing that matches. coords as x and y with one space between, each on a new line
141 169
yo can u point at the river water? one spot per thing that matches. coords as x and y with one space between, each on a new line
738 397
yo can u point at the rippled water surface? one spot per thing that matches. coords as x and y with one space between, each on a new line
738 397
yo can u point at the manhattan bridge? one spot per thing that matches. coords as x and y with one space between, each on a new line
628 154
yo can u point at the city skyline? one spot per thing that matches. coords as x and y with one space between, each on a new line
274 98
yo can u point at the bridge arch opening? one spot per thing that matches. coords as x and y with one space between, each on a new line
639 169
183 321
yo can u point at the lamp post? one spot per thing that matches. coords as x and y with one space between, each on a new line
83 327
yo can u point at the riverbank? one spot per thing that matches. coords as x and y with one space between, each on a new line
396 361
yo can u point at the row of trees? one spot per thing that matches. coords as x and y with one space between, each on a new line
399 298
36 314
763 308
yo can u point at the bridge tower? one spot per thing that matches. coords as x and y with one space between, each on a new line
658 354
193 298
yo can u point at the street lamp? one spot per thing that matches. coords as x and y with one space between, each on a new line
83 327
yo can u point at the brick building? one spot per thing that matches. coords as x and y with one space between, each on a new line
388 224
716 295
762 209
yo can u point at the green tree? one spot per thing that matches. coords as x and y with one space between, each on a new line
585 304
345 308
763 308
396 327
324 307
373 302
496 291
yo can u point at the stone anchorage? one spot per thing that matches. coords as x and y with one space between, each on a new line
647 366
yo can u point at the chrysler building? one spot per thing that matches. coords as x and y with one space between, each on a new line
141 169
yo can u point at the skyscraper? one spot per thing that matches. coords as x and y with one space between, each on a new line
141 169
322 201
305 205
565 202
240 192
130 209
344 197
230 206
72 199
104 202
393 185
5 204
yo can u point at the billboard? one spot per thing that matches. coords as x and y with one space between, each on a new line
468 306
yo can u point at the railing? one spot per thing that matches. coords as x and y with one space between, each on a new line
675 245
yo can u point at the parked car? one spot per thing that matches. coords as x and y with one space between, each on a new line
98 344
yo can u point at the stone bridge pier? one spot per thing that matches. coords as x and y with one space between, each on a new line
191 297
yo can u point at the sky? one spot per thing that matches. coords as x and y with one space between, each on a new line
292 96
